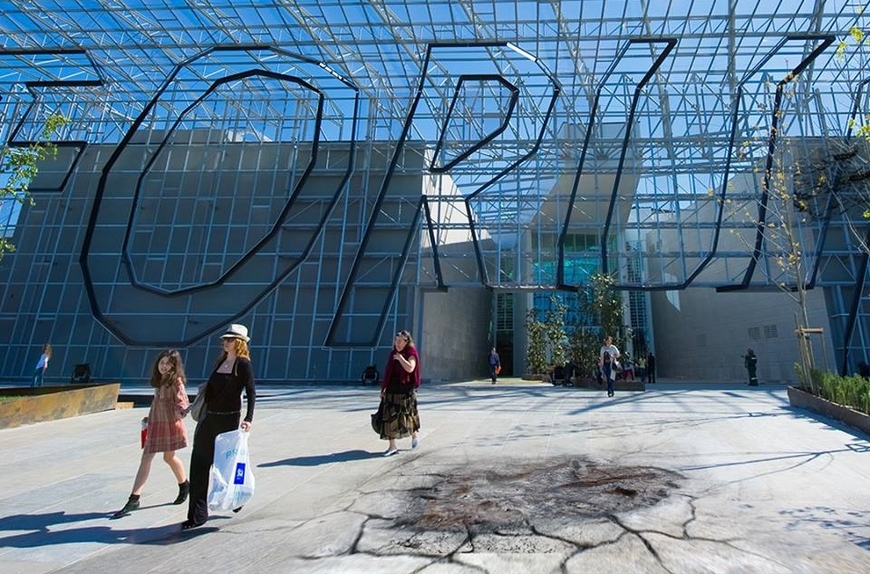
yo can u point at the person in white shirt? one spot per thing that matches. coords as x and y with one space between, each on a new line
41 366
607 362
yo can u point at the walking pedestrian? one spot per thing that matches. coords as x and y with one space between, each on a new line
399 415
165 430
608 363
494 364
233 374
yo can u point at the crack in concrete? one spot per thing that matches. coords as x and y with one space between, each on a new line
565 510
551 506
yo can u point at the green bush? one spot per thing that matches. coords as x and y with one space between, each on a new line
852 391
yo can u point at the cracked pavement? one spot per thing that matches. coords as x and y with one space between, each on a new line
517 477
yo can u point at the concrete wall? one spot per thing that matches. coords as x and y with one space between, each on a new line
706 337
455 340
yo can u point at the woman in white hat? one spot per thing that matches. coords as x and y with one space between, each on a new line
223 397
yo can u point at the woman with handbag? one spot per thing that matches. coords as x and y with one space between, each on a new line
398 411
163 427
233 374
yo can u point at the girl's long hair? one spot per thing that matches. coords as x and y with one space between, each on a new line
158 380
47 350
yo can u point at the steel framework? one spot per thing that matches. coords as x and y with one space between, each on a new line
550 140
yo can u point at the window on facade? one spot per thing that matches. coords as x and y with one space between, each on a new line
9 212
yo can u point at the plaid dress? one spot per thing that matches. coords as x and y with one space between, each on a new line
166 430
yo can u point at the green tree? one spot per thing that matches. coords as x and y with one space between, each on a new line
584 344
19 166
607 306
781 218
536 353
555 330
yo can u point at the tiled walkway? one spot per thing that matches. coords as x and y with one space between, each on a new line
516 477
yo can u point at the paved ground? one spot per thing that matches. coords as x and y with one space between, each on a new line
517 477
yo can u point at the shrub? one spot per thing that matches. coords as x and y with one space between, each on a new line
852 391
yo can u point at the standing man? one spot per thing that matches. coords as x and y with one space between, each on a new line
651 368
750 361
494 364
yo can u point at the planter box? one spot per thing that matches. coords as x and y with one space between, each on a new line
810 402
635 385
34 405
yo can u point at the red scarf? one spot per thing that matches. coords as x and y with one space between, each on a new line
404 376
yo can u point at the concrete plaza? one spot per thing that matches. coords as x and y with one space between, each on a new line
517 477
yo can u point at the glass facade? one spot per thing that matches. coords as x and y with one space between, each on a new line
318 169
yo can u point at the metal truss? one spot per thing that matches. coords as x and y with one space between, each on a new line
556 138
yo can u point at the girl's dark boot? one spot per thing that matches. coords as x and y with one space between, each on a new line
183 491
132 504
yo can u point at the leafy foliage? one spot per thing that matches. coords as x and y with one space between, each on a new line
536 356
852 391
584 344
607 305
547 340
19 167
552 342
555 329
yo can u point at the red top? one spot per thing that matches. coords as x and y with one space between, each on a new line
405 377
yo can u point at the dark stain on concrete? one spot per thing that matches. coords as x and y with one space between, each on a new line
495 499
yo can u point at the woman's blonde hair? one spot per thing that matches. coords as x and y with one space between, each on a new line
241 350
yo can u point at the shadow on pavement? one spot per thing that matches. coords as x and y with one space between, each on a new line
319 459
39 532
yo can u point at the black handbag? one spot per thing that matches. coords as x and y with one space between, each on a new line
378 418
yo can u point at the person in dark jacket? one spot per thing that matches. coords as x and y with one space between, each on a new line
494 364
750 361
651 368
223 399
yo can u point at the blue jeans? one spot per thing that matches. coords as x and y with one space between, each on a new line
38 377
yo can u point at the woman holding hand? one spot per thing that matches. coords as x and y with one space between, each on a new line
233 374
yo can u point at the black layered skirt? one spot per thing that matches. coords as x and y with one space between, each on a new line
397 416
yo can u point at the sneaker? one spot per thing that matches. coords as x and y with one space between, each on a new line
391 451
414 442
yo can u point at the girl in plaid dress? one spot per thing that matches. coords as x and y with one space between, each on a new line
166 430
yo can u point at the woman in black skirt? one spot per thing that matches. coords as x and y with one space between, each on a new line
399 416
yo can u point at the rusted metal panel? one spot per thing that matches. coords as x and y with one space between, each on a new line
33 405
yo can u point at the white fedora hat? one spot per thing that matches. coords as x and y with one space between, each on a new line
237 331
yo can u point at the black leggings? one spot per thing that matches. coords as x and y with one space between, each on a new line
202 458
